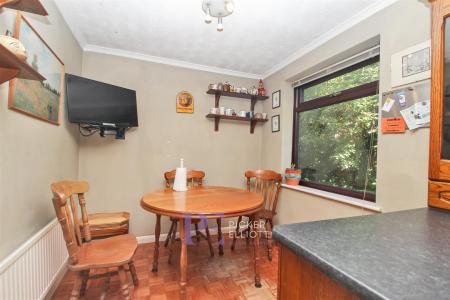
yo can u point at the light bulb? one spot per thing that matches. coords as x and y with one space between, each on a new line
219 25
229 6
208 18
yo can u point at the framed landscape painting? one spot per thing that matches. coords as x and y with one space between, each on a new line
38 99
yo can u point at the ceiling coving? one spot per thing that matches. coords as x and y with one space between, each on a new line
217 9
260 36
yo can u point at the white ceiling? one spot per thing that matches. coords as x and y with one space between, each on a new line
260 37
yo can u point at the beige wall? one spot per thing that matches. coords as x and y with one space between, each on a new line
34 153
120 172
297 207
402 159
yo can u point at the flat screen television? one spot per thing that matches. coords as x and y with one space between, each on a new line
97 103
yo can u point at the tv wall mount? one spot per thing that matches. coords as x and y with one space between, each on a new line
104 129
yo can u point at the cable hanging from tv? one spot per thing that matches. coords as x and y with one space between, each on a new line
86 130
118 130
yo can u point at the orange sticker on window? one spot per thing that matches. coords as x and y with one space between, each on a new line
393 125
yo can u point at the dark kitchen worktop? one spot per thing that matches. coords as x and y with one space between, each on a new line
399 255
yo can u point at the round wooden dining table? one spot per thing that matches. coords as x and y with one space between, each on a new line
203 202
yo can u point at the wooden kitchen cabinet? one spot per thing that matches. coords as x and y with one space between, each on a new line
439 160
439 194
300 279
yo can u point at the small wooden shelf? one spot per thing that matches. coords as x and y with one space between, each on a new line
11 67
253 121
31 6
237 95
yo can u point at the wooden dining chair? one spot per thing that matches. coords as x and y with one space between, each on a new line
267 183
194 178
86 254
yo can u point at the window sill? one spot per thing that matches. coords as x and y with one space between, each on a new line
336 197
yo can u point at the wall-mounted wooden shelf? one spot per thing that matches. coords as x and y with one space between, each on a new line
32 6
236 95
252 98
11 67
253 121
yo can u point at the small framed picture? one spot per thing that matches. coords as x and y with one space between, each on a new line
411 65
185 102
276 123
276 98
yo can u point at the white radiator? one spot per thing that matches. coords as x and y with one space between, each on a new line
31 271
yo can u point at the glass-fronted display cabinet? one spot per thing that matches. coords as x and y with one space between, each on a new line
439 164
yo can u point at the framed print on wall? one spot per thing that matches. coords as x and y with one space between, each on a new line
411 65
41 100
276 99
185 102
276 123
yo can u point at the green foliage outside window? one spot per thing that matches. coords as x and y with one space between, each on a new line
337 144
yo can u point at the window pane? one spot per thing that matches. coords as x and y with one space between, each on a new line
335 142
346 81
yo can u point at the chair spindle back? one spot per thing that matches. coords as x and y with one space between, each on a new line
67 214
267 183
194 178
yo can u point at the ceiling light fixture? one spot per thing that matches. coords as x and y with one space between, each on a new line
208 17
219 24
217 9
